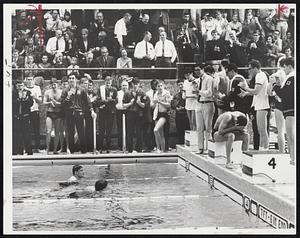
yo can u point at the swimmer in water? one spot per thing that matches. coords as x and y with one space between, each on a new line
78 173
99 186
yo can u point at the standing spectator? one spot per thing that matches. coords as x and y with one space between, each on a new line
206 107
267 20
36 95
105 60
18 42
120 31
234 25
52 99
124 61
256 48
52 24
272 52
106 102
144 52
46 74
85 44
121 110
287 54
158 18
181 119
251 25
22 25
66 23
156 35
221 24
288 41
75 100
260 101
17 62
21 104
100 24
141 27
162 100
150 139
277 40
56 44
190 96
237 51
165 54
286 92
187 43
208 24
73 67
135 101
216 48
282 21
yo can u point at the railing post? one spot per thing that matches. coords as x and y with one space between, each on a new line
124 133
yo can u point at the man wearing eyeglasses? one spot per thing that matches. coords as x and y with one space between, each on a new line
256 49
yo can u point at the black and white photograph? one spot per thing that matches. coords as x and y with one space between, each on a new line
134 118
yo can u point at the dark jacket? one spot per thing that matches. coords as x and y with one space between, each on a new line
110 63
219 53
258 53
108 105
178 101
180 38
286 93
237 55
21 106
77 102
135 107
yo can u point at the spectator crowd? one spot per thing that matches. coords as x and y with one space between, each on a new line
216 42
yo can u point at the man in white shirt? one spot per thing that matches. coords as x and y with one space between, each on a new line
52 23
165 53
144 51
120 29
35 113
56 44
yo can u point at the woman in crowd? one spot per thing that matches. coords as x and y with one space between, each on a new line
162 100
124 61
272 53
52 99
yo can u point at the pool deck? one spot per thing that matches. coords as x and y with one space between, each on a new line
278 198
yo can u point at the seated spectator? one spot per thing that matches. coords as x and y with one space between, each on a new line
30 64
66 23
52 24
124 61
144 52
101 41
105 60
236 51
89 63
186 19
17 60
250 26
256 48
18 42
208 24
216 49
288 53
267 20
120 31
141 27
70 49
22 24
221 24
234 25
187 43
59 62
272 52
46 74
29 47
73 67
84 44
277 40
288 41
100 24
39 47
56 44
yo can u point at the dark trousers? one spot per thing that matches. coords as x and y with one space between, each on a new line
75 119
163 62
186 54
35 128
182 124
149 135
134 124
106 120
255 130
119 116
21 136
89 132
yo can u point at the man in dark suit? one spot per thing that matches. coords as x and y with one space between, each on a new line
187 43
256 49
216 49
101 41
84 44
17 62
89 62
141 27
100 24
105 60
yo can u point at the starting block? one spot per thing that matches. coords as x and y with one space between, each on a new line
218 149
191 140
268 166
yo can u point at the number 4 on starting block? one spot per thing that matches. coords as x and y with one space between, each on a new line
272 165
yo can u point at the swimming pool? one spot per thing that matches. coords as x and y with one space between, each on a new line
138 197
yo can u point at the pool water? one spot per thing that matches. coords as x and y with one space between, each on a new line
138 196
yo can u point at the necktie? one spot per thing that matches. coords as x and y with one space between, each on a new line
56 44
163 49
104 60
146 48
199 88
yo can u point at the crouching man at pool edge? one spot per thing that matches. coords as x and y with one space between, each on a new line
230 127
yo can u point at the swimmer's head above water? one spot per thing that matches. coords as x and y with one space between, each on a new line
100 184
77 171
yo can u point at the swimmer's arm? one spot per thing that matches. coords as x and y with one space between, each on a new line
255 90
223 124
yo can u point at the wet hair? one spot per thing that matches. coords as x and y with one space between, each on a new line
76 168
255 64
242 120
100 184
209 69
288 61
231 66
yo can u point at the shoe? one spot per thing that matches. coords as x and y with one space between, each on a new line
107 151
200 152
55 153
68 151
229 166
